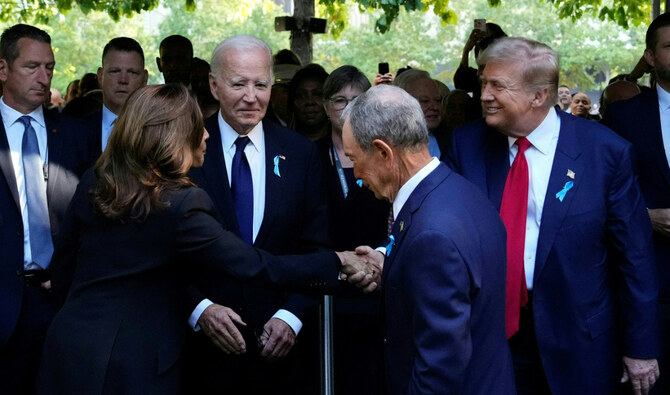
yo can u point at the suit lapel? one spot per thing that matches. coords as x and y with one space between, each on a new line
216 176
274 195
403 222
497 165
6 167
566 158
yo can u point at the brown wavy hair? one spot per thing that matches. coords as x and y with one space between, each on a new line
149 151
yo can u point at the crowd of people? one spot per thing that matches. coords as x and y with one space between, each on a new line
497 238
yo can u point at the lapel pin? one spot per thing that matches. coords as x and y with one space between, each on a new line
389 246
561 194
571 174
276 162
402 225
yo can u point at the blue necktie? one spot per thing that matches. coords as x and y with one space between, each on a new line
243 191
41 245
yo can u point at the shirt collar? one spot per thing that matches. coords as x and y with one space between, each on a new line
108 117
663 98
541 138
406 190
229 135
10 115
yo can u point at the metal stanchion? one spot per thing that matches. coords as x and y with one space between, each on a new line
327 371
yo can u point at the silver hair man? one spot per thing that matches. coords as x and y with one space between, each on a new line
239 43
538 62
390 114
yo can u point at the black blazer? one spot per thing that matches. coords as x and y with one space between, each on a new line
122 327
70 154
295 220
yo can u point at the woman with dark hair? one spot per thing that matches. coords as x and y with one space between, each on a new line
136 228
355 218
305 104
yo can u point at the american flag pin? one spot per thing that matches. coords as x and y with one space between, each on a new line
571 174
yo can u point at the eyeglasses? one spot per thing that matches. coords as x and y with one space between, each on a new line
339 102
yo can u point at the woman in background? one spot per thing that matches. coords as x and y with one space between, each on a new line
355 218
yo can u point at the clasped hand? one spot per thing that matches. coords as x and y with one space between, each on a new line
362 267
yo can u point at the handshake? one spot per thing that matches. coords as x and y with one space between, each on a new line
362 267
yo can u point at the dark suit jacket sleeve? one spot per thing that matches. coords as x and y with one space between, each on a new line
314 230
440 283
628 223
201 240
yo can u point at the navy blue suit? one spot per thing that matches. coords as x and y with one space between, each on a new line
638 121
443 293
595 287
70 154
294 221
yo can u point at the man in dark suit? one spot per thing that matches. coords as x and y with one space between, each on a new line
644 120
443 281
581 285
122 73
42 156
278 205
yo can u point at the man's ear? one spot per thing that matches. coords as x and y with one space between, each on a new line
99 75
158 63
649 57
383 151
145 77
4 69
213 86
540 98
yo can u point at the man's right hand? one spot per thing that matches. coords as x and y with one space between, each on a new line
660 220
218 323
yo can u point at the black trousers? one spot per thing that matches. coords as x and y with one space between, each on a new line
20 358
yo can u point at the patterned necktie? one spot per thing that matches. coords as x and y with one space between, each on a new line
513 211
41 244
390 222
243 191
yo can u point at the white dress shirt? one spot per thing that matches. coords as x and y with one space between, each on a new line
14 129
540 157
255 152
108 119
664 111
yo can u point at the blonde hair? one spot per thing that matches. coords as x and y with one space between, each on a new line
149 151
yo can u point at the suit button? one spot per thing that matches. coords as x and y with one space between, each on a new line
386 341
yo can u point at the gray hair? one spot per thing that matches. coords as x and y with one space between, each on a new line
539 63
407 77
239 43
390 114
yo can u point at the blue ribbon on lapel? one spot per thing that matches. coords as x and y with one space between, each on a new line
561 194
276 161
389 246
359 182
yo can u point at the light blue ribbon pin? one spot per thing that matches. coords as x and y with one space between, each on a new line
276 161
389 246
561 194
359 182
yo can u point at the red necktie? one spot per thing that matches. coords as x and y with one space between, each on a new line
513 212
